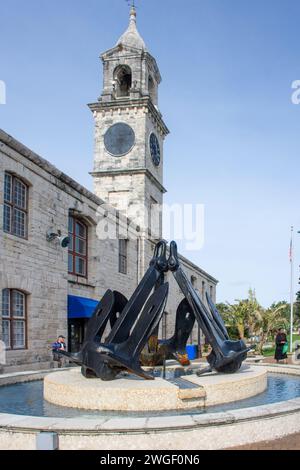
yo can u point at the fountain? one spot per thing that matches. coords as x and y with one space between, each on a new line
118 360
133 391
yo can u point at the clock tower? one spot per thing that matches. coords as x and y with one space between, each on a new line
130 131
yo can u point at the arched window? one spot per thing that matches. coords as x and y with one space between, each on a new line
78 248
151 89
203 290
14 317
123 256
123 80
15 212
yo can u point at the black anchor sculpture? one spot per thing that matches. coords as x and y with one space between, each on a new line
121 350
226 356
135 322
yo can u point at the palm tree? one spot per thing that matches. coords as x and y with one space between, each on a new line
297 310
249 316
268 320
243 315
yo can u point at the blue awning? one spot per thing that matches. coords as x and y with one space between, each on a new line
80 307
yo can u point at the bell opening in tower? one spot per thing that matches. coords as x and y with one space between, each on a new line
123 80
152 89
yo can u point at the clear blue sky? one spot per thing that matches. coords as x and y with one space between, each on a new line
227 68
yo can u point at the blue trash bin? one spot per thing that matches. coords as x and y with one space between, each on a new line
192 351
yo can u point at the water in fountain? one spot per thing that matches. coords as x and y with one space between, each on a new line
27 399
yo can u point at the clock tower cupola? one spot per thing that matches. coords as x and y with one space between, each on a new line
129 128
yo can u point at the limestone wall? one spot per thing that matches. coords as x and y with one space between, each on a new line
40 268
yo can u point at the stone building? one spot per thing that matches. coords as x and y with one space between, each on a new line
49 289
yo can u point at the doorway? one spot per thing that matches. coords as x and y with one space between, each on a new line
77 330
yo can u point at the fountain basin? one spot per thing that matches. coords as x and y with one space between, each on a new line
71 389
264 417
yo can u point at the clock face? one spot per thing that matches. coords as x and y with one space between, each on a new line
155 149
119 139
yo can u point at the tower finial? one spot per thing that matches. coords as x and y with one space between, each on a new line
131 37
133 10
132 5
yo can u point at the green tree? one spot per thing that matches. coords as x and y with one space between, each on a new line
297 309
286 308
243 315
223 308
247 318
268 320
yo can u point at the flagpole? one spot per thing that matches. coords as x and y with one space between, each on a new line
292 289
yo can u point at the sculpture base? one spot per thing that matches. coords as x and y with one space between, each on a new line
71 389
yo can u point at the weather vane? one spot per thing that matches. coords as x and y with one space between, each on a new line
131 3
